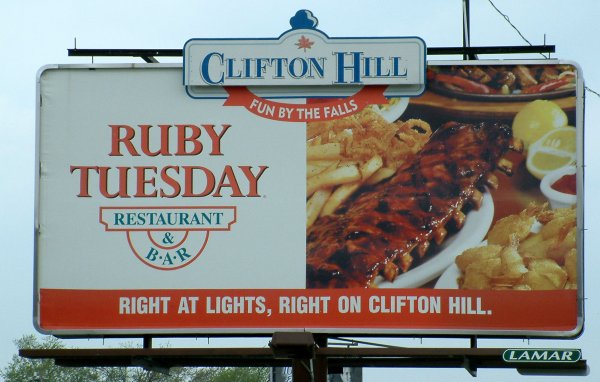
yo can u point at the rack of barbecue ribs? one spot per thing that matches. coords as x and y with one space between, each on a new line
391 227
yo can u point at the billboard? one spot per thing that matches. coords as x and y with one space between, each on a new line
458 211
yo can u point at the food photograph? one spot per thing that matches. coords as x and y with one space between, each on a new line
472 185
320 190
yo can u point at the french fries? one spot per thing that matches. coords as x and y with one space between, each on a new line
345 154
344 191
333 177
315 205
324 151
318 166
379 175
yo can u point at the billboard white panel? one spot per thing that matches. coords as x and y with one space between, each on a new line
161 212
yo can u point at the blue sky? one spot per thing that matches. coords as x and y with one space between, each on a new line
35 33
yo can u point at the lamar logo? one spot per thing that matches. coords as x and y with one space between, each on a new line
167 238
541 355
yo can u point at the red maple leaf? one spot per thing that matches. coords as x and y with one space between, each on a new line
304 43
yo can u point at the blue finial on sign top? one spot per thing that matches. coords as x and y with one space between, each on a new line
304 19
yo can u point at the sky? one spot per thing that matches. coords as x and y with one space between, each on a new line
37 33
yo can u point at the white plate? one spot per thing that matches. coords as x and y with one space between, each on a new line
476 226
393 110
449 279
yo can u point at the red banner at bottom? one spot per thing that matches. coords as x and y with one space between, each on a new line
356 310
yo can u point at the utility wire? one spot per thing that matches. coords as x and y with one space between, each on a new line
505 16
592 91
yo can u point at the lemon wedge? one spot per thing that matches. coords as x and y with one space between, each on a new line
536 119
554 150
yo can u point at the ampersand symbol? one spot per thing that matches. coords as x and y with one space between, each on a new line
168 238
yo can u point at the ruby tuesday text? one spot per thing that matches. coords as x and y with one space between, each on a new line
172 180
347 68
